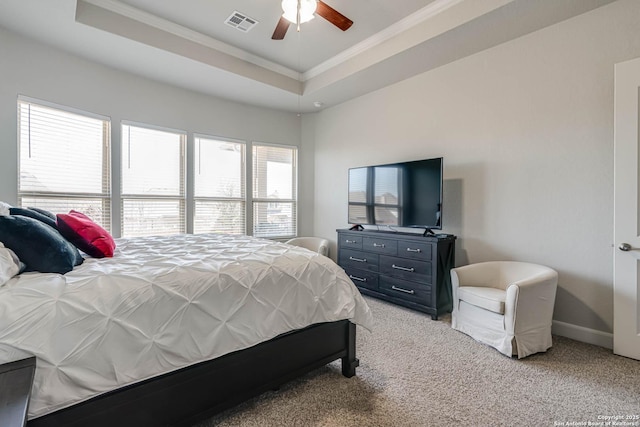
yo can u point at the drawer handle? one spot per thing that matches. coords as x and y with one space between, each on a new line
358 259
359 279
381 245
397 267
406 291
414 250
350 241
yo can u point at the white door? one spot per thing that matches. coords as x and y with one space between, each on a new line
626 282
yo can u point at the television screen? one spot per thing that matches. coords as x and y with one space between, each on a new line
407 194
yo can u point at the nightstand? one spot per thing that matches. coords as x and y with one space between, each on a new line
16 379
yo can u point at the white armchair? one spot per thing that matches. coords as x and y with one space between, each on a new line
316 244
505 304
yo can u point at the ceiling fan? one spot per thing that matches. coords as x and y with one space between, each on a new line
300 11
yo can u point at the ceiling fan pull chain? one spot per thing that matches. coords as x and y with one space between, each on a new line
298 15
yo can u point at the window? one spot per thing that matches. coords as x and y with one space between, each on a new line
64 160
359 212
153 184
64 164
274 191
386 195
219 186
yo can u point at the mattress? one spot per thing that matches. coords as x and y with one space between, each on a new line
161 304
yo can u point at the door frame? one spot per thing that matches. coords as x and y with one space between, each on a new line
626 264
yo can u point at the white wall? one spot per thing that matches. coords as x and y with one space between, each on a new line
526 131
38 71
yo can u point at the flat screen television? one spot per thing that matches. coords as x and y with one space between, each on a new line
406 194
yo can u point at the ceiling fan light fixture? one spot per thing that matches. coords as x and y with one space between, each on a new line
307 9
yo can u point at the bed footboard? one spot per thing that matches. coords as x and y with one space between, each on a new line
191 394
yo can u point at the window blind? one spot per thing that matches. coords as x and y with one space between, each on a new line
64 160
153 181
274 191
219 186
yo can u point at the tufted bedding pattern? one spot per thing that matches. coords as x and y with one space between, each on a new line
161 304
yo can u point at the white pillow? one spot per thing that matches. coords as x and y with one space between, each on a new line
10 265
4 208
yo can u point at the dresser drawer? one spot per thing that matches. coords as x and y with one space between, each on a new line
380 246
349 241
363 278
359 260
415 250
404 268
408 291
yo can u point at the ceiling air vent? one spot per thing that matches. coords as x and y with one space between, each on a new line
241 21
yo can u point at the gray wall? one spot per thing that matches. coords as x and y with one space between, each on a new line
526 131
35 70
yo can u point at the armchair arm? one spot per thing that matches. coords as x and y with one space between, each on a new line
529 303
479 275
323 249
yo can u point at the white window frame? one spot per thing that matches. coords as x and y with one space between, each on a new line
244 198
181 198
294 201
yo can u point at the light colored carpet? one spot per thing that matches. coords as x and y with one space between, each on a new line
418 372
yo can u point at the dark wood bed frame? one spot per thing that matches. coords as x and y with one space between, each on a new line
184 397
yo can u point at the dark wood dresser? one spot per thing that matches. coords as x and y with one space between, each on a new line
404 268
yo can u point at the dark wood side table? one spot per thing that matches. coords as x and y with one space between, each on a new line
16 380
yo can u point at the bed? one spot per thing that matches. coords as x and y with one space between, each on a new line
174 329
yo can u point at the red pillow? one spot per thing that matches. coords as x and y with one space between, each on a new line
86 235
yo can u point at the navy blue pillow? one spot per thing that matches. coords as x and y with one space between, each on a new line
44 212
39 246
33 213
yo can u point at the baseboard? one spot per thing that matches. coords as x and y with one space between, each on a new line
580 333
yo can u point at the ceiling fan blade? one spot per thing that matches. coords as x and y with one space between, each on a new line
333 16
281 29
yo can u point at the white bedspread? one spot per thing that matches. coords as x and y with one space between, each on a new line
163 303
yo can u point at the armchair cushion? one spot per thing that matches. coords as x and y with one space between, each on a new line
488 298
